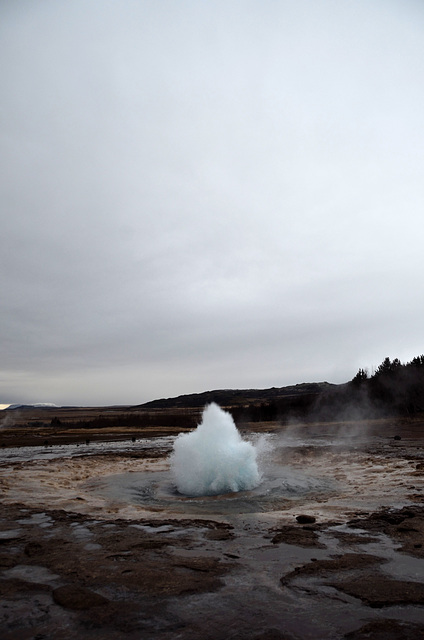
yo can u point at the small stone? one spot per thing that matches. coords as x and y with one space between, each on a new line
304 519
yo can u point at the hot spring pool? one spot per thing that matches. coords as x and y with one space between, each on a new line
156 491
213 470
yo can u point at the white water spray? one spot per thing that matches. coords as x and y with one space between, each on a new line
214 458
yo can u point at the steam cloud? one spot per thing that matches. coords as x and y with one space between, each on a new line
214 458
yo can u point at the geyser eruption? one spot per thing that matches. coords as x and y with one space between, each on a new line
214 458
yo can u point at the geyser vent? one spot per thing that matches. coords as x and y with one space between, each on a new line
214 459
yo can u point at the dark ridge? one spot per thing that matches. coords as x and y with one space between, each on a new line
238 397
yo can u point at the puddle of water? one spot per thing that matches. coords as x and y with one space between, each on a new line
12 534
92 546
399 566
81 533
31 573
40 519
166 528
23 454
403 567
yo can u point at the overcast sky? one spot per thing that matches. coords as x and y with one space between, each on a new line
201 195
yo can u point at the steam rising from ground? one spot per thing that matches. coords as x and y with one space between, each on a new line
214 458
8 421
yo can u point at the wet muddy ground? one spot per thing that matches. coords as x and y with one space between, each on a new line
94 543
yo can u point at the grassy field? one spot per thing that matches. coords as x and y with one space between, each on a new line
43 427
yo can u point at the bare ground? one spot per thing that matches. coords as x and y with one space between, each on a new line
74 564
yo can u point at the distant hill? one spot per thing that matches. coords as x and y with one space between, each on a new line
239 397
37 405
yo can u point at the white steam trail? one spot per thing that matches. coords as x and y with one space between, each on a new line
7 421
214 458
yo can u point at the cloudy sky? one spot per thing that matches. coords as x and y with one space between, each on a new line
201 195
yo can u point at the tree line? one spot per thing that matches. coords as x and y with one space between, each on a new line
394 389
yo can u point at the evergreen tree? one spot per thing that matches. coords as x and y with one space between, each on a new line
360 377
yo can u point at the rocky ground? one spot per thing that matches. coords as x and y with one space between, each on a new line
75 564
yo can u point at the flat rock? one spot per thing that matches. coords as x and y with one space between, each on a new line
302 537
378 591
387 630
347 562
76 597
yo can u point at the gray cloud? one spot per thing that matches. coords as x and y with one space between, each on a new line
202 195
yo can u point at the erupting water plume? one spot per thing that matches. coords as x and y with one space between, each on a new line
214 458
